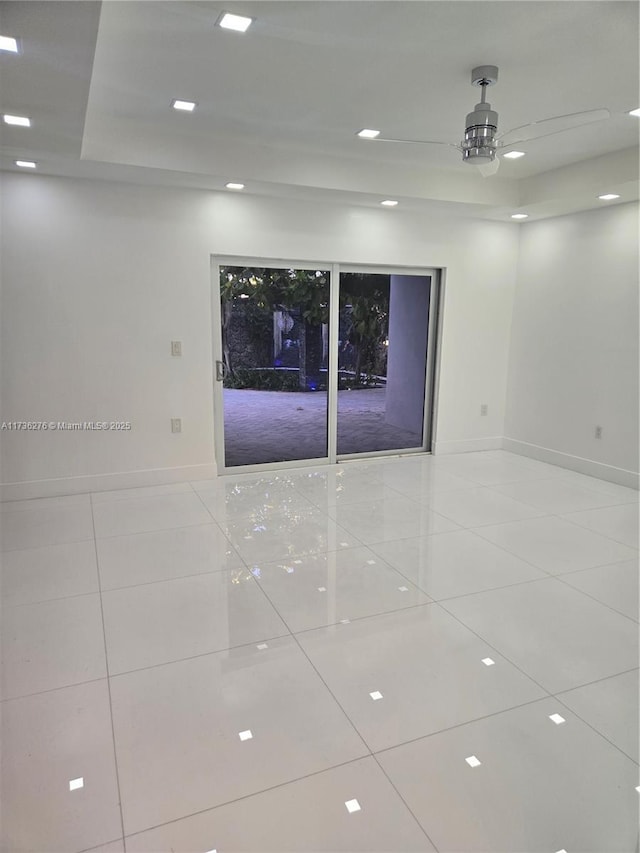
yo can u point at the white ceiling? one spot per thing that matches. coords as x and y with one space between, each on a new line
279 106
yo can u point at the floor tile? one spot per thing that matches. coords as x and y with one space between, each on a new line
257 498
456 563
164 554
557 495
421 481
252 506
489 471
326 588
625 493
56 502
539 787
54 571
556 545
611 707
33 528
141 515
111 847
557 635
427 666
617 522
287 535
478 507
177 730
339 486
49 740
616 586
307 815
390 518
51 644
141 492
206 613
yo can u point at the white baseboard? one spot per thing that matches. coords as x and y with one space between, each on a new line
621 476
104 482
467 445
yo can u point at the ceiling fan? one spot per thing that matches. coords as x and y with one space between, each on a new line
482 141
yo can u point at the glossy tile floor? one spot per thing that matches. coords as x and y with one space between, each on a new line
418 654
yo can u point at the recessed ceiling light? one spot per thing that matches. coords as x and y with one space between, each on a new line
352 806
514 155
322 589
488 661
232 186
389 202
22 121
9 44
185 106
634 112
472 761
26 164
557 719
368 133
608 197
74 784
262 646
376 695
234 22
245 735
519 215
403 588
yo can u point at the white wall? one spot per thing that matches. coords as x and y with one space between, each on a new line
99 277
574 350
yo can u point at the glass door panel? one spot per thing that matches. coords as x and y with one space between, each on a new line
382 361
275 361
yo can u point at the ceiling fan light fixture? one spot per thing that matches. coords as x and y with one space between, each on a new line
238 23
368 133
514 155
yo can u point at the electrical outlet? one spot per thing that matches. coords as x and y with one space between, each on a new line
176 424
598 432
484 409
176 347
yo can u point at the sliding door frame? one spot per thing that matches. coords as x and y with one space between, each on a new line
335 268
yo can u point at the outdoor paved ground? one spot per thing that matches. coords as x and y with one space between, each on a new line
274 426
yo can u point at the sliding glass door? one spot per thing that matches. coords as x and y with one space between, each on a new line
382 361
274 365
321 361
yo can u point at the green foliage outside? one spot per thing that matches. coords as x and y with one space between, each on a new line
364 308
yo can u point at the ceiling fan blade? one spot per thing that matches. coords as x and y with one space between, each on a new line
487 169
415 142
548 126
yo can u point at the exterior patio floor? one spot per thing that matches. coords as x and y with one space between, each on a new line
276 426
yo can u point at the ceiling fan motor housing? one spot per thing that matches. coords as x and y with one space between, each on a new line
479 143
